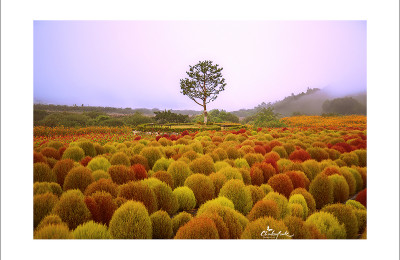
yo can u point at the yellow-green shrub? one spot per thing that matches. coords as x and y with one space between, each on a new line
44 187
328 225
311 168
179 220
340 188
72 209
186 198
299 199
131 221
236 191
78 178
139 191
100 174
161 224
308 197
179 171
74 152
43 173
43 204
162 164
53 231
231 173
204 165
321 188
50 219
351 181
241 163
202 187
346 216
281 201
256 193
152 154
166 200
221 201
91 230
218 180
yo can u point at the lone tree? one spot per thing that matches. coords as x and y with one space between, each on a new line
204 84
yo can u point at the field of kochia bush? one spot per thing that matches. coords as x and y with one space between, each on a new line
297 183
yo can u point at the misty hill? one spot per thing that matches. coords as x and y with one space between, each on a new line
108 110
311 103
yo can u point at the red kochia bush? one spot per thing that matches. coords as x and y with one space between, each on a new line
299 155
121 174
198 228
101 206
86 160
267 169
281 183
298 180
38 157
140 171
343 147
51 152
61 169
259 149
136 190
362 197
257 176
105 185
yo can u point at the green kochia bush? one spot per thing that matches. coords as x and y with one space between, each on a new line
88 148
100 174
204 165
346 216
321 188
78 178
236 191
42 206
328 225
179 220
231 173
131 221
166 200
99 163
299 199
162 164
202 187
74 152
308 197
43 187
161 224
43 173
50 219
53 231
222 201
120 158
91 230
152 154
72 209
340 188
281 201
186 198
179 171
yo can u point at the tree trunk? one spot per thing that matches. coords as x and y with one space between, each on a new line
205 113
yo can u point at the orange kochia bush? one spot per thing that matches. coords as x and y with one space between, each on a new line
281 183
121 174
101 206
299 155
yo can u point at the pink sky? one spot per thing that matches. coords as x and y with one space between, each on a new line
138 64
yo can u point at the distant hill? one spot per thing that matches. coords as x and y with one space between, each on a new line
306 103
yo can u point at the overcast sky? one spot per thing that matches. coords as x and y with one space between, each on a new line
138 64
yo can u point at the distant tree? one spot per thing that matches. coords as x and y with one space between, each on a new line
163 117
204 84
344 106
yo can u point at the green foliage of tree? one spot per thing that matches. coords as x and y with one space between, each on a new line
165 116
265 117
344 106
65 119
217 116
204 84
137 119
39 115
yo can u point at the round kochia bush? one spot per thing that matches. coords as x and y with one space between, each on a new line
138 191
345 215
42 206
61 169
74 152
43 173
180 220
161 224
257 193
162 164
179 171
263 208
165 177
166 200
299 199
258 229
204 165
152 154
99 163
281 183
53 231
218 180
131 221
281 201
100 174
328 225
78 178
186 198
308 198
91 230
236 191
220 201
51 152
44 187
121 174
88 148
101 205
198 228
72 209
340 188
202 187
321 188
120 158
102 185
